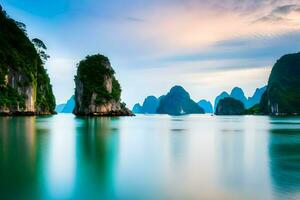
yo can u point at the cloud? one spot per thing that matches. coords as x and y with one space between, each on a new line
259 49
286 9
285 13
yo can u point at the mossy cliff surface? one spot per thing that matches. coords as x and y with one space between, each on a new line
282 96
24 83
97 91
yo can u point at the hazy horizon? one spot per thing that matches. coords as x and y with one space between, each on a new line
203 46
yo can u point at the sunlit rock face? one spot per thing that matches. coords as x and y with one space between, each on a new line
97 91
178 102
230 106
25 87
282 96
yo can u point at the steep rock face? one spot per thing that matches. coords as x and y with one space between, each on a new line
97 92
206 105
24 84
282 96
230 106
178 102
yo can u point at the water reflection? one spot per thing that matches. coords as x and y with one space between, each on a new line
178 140
230 138
242 157
97 142
284 152
61 158
154 157
18 157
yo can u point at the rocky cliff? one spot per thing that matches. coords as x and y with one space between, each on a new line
282 96
97 91
24 84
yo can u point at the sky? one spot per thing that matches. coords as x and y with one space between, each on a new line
205 46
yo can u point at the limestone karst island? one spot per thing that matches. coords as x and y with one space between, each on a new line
154 100
98 92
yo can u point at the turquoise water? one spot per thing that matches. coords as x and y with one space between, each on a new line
150 157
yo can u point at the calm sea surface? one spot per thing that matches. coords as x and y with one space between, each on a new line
150 157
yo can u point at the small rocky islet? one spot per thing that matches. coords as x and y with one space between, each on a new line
230 106
98 92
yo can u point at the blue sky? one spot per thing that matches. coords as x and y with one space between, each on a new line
205 46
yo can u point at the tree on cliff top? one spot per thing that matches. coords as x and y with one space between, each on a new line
91 73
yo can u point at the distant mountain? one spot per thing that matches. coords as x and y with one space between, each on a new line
256 97
70 105
137 109
221 96
178 102
59 108
150 105
238 94
206 105
230 106
67 107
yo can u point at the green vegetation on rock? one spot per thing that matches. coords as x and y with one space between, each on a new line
254 110
97 90
91 72
230 106
22 74
282 96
